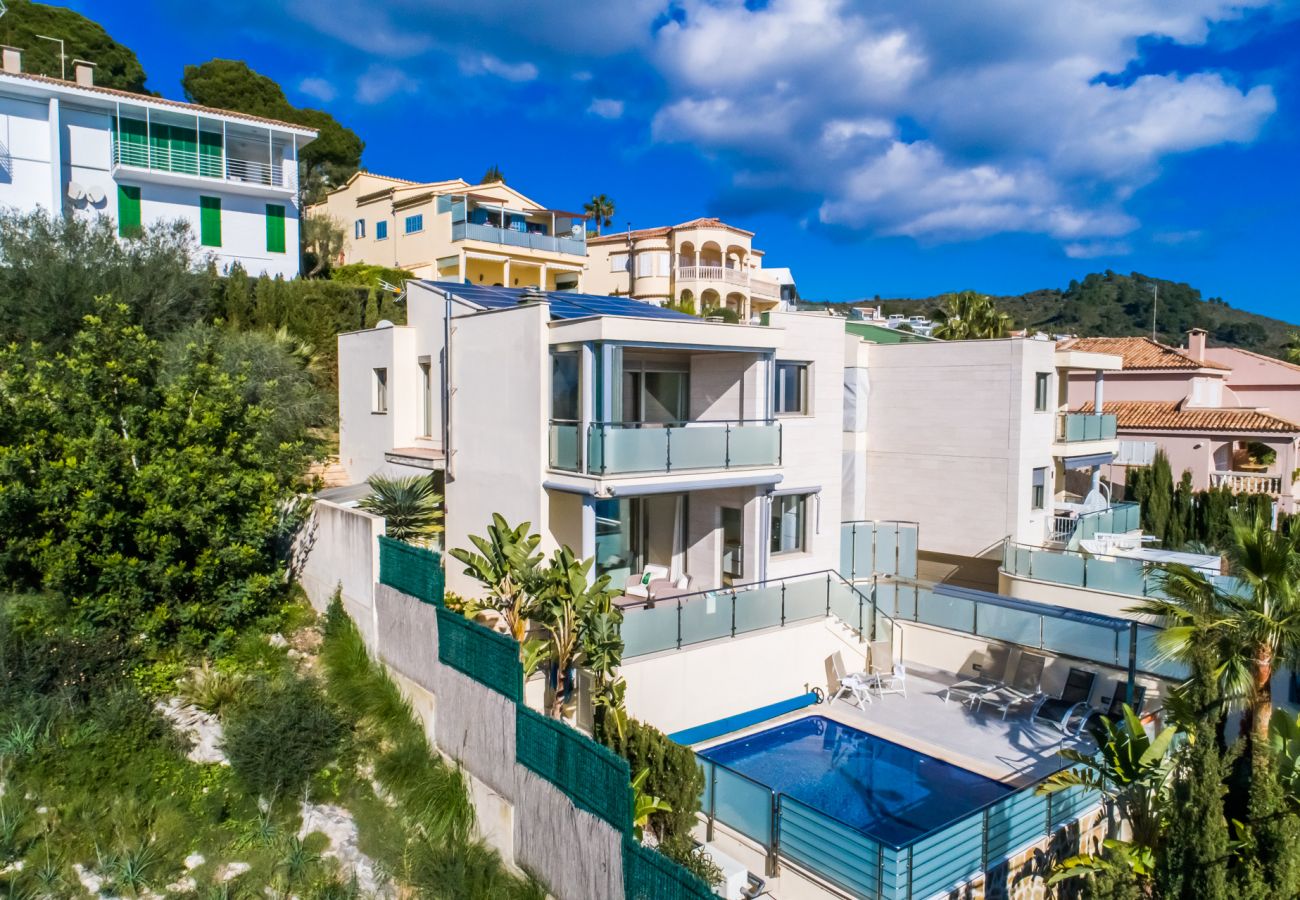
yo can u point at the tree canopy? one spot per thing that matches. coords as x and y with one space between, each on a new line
231 84
116 66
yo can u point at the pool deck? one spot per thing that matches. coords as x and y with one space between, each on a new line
1016 751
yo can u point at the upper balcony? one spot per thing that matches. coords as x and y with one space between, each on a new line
642 448
1073 428
241 158
491 221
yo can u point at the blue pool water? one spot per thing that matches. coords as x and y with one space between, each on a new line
885 790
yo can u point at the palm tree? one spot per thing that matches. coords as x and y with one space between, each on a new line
508 566
1255 625
492 175
968 315
410 506
601 210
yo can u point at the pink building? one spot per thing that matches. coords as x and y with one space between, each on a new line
1227 416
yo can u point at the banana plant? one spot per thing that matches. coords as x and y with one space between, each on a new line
509 567
644 805
1284 739
1132 771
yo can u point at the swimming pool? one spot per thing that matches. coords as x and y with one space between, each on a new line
887 791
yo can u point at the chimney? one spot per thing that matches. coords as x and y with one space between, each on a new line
11 60
1196 344
83 73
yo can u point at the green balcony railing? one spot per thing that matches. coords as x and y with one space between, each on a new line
1074 427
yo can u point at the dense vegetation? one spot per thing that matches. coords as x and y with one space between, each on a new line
1114 305
116 66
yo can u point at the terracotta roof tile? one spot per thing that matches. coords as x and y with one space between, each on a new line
160 101
1162 415
704 222
1140 353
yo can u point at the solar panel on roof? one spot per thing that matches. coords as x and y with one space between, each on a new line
563 304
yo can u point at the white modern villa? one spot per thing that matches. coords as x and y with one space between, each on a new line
73 148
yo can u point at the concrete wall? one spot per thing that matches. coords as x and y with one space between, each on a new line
665 689
953 438
338 550
364 434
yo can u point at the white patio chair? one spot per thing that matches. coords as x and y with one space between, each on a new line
892 682
639 586
856 684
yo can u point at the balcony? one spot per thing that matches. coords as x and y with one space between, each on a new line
714 273
208 162
517 237
1078 427
1247 482
630 448
1070 528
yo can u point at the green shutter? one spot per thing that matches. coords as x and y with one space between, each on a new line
133 147
274 228
210 154
128 210
210 221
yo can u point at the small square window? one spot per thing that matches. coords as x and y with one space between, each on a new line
790 393
1042 388
380 392
1038 494
414 223
381 231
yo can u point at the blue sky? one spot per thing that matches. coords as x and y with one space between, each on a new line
892 148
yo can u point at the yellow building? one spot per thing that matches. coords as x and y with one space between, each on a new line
452 230
704 262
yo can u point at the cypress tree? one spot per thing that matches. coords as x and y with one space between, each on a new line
1192 861
1157 508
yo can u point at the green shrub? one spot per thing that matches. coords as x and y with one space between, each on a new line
213 690
674 777
281 733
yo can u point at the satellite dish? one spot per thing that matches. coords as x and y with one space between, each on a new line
383 323
76 191
95 194
577 230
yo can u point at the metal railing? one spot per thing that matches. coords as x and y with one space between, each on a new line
1117 518
1063 528
673 623
1247 482
1072 427
935 862
165 158
511 237
620 448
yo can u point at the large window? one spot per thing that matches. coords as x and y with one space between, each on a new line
656 396
791 388
414 223
790 523
564 385
379 397
274 228
1042 386
618 262
654 262
1038 495
210 221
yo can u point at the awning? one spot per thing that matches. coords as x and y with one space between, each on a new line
1087 462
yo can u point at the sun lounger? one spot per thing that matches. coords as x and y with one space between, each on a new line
1073 703
1024 687
988 676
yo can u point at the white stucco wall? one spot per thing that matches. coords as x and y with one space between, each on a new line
365 435
25 179
953 438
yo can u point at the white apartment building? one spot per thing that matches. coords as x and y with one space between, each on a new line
974 440
75 149
703 263
653 440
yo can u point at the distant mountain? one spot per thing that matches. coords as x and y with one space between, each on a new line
1112 305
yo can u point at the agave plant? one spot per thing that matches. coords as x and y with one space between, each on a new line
410 506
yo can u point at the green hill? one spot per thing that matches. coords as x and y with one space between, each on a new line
1113 305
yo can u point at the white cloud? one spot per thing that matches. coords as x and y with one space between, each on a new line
606 108
380 83
487 64
1095 249
318 88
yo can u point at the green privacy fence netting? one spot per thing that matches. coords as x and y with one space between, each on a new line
411 570
594 778
489 658
649 875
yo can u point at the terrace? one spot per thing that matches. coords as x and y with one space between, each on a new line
760 810
475 218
